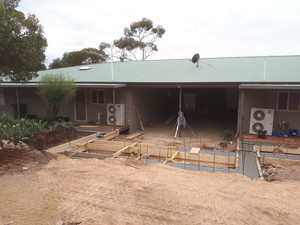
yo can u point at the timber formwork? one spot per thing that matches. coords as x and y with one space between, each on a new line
93 147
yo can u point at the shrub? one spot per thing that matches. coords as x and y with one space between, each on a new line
46 118
15 133
56 89
6 119
66 124
16 130
52 126
38 126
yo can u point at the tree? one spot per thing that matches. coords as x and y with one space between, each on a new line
56 89
75 58
139 40
56 63
22 43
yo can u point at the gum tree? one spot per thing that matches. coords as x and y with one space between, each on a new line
82 57
139 40
22 43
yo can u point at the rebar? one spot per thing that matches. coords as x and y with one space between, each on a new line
199 160
147 156
184 158
214 162
228 163
199 141
159 154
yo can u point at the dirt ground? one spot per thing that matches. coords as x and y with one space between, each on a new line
14 161
163 134
37 191
276 172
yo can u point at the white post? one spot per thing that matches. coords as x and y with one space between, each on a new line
180 99
265 69
112 65
114 104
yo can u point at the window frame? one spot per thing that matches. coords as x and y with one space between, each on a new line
97 103
288 101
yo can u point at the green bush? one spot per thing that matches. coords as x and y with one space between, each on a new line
37 126
52 126
16 130
66 124
46 118
14 133
6 119
56 89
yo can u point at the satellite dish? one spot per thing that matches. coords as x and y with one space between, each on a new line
195 59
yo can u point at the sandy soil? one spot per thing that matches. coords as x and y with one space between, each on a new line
162 134
119 191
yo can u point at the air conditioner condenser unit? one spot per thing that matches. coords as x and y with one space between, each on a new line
116 114
261 119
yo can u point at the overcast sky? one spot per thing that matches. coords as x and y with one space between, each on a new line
212 28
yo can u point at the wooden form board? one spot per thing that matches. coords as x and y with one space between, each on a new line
110 135
284 149
166 153
126 143
282 162
81 142
172 158
134 135
123 149
72 144
259 167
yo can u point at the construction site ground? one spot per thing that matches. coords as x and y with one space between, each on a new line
39 188
44 188
164 134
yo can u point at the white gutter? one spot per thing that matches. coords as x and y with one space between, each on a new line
270 86
87 85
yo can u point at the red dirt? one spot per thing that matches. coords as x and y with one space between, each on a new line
20 160
38 190
44 140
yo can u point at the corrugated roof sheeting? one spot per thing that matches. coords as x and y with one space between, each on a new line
210 70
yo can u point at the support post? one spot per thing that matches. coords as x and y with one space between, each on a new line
114 103
18 105
241 114
112 63
180 98
177 130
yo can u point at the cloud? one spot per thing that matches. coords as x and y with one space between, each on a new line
212 28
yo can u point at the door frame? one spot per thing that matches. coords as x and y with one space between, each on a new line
85 107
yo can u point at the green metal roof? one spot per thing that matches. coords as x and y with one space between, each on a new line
82 85
269 69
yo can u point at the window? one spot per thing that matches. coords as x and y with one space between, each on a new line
288 101
97 97
2 100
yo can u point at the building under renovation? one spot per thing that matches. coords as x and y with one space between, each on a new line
243 94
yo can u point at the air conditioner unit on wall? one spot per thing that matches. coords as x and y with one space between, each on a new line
261 119
116 114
